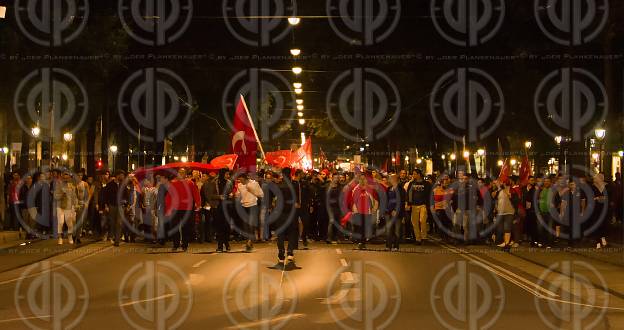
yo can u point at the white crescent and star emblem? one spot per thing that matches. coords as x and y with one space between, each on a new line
239 136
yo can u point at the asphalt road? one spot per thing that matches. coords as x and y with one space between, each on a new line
336 287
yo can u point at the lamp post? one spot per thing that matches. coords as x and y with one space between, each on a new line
481 154
558 140
113 149
600 134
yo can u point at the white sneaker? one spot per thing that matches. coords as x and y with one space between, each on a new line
515 245
598 246
502 245
291 258
70 240
60 241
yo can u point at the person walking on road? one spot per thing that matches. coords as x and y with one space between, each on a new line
66 206
248 191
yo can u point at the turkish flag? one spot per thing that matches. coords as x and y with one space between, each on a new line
224 161
525 172
244 142
281 158
302 159
505 172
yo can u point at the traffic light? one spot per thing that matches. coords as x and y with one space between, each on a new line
99 164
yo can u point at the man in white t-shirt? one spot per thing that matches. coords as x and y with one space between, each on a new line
248 191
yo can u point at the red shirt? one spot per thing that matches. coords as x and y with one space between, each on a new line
182 195
363 199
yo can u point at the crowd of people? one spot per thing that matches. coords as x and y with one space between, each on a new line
364 206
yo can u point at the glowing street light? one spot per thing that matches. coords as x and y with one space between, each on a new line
68 137
600 133
297 85
500 163
64 157
295 52
299 101
514 162
301 121
298 91
300 114
595 156
300 107
113 149
453 156
5 150
36 131
481 152
418 161
184 159
528 144
558 139
620 153
294 20
466 153
407 158
443 157
297 70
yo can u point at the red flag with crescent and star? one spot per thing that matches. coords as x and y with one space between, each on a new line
244 142
224 161
280 158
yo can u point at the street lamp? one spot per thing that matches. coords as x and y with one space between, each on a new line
113 149
300 107
528 144
453 156
620 153
297 85
500 163
294 20
36 131
558 139
301 121
299 101
297 70
300 114
295 51
466 154
5 150
298 91
68 137
600 133
481 152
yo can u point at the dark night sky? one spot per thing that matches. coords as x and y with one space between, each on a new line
415 37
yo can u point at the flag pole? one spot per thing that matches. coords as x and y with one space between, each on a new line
253 127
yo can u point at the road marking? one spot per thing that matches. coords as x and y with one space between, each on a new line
146 300
25 318
347 278
54 268
199 263
339 251
490 266
266 323
344 262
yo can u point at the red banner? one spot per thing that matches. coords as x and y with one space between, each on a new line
302 159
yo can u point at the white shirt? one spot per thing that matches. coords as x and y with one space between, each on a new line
249 193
